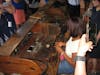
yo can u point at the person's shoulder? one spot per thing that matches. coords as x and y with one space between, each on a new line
70 39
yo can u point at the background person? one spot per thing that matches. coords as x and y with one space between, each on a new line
76 28
93 15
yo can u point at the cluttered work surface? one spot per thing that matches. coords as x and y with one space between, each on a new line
33 43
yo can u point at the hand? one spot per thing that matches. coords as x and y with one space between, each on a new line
58 46
59 49
84 46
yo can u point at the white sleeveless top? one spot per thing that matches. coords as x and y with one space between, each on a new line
72 47
74 2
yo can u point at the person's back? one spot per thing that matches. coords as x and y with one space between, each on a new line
19 15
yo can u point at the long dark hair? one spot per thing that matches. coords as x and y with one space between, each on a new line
75 26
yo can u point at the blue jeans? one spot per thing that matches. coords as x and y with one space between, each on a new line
65 68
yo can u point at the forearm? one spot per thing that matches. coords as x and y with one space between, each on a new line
82 4
82 7
10 9
70 60
82 11
98 36
61 51
80 68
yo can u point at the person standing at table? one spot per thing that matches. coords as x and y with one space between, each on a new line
19 15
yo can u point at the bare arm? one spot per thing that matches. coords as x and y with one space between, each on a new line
82 7
70 60
98 36
61 51
58 46
7 7
10 8
80 68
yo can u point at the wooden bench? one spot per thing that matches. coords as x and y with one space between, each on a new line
19 66
14 41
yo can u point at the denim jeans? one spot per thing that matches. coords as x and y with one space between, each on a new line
65 68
